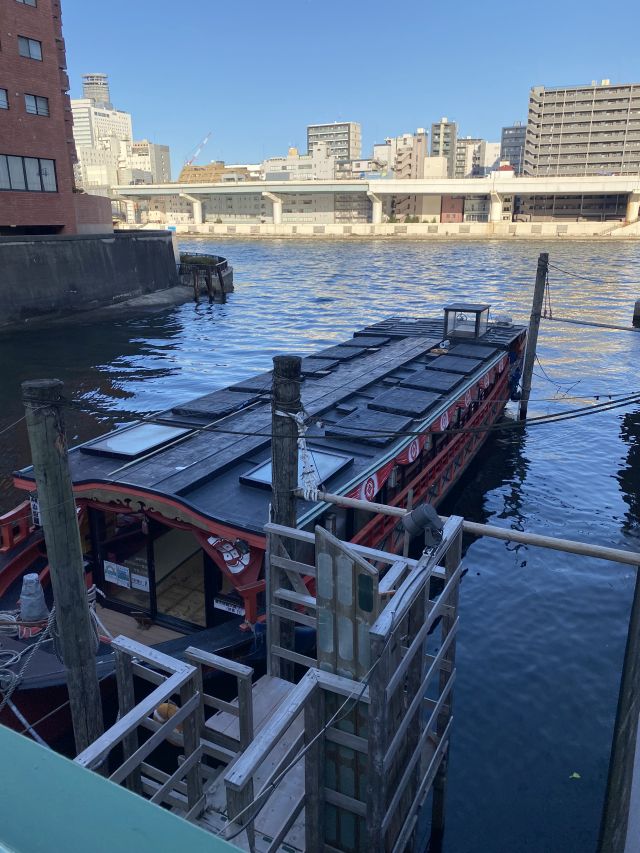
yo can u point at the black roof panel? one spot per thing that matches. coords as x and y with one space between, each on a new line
382 427
405 401
454 364
432 380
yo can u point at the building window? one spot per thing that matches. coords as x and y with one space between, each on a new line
27 174
28 2
4 99
30 48
36 105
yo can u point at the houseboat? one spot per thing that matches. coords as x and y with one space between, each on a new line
172 508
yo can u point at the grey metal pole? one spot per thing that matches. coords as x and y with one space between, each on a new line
532 335
43 408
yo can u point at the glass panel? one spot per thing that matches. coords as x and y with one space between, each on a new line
42 105
32 168
124 553
325 465
35 49
5 184
48 174
30 104
23 46
16 173
135 440
179 571
4 99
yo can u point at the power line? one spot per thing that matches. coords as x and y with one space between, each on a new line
584 277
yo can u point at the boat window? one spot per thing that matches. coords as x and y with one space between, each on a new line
135 440
325 464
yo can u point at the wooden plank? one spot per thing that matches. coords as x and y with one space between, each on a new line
377 735
343 686
314 769
360 744
150 656
191 736
294 616
303 660
220 705
177 775
286 826
148 674
126 703
293 566
393 576
214 661
127 723
289 758
295 598
237 775
245 715
335 798
155 739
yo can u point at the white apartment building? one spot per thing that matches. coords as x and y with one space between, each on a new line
486 158
319 165
343 139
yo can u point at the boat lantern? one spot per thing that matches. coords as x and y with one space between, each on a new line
465 320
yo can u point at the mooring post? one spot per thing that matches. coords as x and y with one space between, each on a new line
285 404
43 408
636 314
532 335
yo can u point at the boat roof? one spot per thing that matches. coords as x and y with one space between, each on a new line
365 395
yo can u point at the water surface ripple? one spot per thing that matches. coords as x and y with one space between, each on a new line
542 634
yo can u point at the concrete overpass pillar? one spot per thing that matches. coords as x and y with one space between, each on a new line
276 201
495 210
197 207
376 208
633 206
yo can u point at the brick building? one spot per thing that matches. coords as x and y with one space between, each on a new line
36 140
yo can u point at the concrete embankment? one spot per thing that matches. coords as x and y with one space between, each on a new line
55 277
420 230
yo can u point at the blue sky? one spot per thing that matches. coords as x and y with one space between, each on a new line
256 73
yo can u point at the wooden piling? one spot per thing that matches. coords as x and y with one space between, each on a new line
636 314
532 335
43 407
285 401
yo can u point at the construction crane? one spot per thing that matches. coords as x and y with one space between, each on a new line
197 150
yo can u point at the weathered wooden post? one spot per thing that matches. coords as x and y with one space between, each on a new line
532 335
636 314
43 407
285 404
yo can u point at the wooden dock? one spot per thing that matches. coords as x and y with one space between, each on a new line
341 760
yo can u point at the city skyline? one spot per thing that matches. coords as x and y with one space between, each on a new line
276 70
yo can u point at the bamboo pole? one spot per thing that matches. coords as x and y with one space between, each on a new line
570 546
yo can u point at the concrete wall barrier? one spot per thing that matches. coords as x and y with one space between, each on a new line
58 275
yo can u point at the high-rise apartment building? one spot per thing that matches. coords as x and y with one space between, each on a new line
583 130
512 142
465 149
95 87
36 140
343 139
444 136
93 125
152 158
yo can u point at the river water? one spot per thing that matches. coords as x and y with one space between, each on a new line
542 634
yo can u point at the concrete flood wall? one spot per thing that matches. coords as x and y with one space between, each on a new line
60 275
527 230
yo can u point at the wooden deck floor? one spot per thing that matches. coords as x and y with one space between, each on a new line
268 694
119 623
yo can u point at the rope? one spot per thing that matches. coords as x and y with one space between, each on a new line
10 680
310 476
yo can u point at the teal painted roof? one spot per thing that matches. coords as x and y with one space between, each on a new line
50 803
